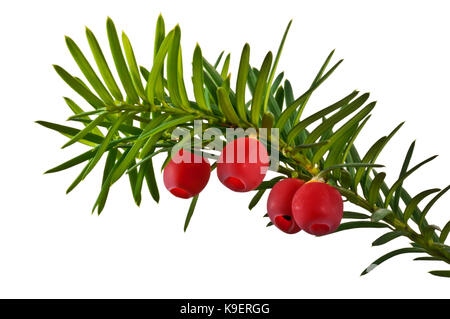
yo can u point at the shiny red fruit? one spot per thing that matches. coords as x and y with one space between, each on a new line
279 204
317 208
186 174
243 164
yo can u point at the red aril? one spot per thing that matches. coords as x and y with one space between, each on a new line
243 164
279 204
187 174
317 208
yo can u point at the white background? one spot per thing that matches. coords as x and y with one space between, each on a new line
51 245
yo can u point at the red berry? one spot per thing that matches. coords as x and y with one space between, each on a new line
243 164
279 204
186 174
317 208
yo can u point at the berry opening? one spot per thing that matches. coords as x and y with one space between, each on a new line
319 229
283 222
179 192
235 184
